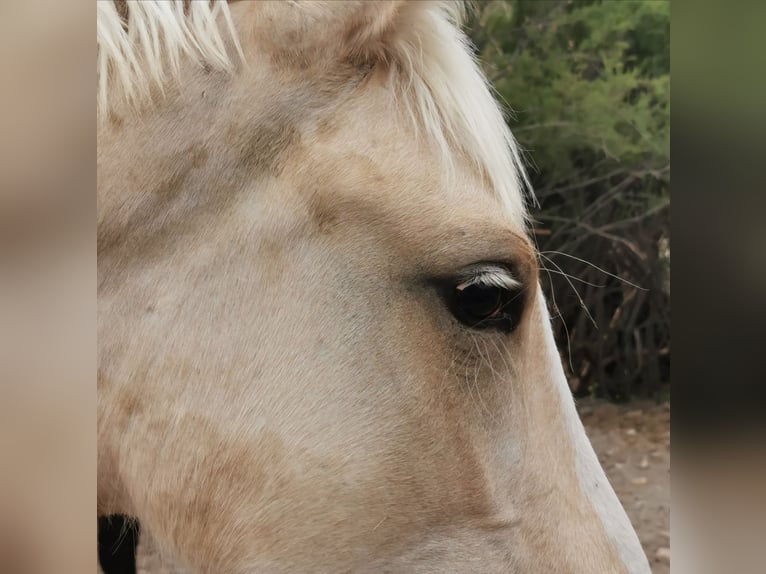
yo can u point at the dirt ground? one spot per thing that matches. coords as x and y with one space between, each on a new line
632 443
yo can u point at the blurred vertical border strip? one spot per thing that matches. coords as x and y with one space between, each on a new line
47 287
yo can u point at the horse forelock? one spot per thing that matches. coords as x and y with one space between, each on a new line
437 77
141 43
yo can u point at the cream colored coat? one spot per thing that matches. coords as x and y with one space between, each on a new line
281 388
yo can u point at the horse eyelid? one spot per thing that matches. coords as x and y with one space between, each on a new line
490 276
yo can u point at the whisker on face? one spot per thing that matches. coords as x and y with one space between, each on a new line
572 277
477 371
543 253
576 292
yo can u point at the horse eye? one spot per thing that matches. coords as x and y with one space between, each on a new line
481 306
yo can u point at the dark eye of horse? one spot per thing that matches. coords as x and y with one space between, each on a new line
481 306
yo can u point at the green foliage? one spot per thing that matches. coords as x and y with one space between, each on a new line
589 83
586 77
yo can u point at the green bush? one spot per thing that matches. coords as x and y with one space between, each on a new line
589 86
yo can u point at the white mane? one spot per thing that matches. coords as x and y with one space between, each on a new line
146 50
450 95
443 86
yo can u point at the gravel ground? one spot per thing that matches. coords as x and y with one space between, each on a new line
633 445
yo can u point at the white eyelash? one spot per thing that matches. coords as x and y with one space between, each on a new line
490 277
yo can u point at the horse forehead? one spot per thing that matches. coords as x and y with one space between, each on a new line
353 179
436 221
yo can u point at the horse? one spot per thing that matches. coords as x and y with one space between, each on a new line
323 344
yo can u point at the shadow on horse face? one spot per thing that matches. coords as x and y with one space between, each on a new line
118 538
